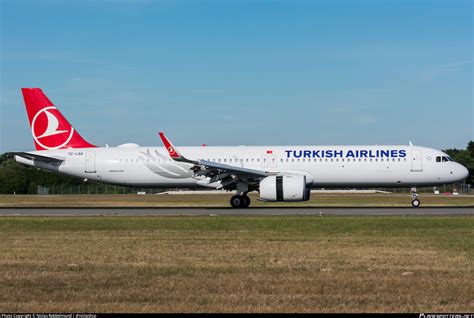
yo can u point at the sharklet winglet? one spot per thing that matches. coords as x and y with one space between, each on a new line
174 154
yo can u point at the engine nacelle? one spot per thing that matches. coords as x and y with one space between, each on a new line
290 187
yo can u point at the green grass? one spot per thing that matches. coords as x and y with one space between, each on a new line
452 233
229 264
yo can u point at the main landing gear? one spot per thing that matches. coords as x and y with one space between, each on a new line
414 198
240 201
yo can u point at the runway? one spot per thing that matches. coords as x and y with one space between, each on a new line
283 211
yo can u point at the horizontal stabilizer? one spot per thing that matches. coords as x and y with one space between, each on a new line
36 157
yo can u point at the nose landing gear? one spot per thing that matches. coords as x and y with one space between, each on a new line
415 202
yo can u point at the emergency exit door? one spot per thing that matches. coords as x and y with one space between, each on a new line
269 161
90 162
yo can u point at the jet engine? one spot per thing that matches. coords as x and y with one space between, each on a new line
291 187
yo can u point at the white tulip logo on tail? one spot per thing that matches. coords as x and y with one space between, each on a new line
52 129
53 125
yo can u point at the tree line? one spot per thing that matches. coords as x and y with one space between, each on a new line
20 179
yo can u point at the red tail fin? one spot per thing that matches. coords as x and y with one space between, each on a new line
50 129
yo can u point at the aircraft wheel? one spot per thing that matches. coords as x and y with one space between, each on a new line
415 203
246 202
236 201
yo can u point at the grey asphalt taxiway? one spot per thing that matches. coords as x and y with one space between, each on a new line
276 211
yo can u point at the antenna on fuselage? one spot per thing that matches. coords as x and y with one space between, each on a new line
410 143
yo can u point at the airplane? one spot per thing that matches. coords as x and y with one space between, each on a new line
278 173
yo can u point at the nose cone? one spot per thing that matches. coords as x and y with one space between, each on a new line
461 172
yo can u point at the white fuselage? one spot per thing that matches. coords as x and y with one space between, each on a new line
323 166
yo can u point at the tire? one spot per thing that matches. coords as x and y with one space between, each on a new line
246 202
415 203
236 201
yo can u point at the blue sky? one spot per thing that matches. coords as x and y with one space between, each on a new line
243 72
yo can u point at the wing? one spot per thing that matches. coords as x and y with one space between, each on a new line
221 175
228 176
36 157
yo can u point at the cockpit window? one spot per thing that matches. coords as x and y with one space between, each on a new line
443 159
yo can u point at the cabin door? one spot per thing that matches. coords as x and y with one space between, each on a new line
416 162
